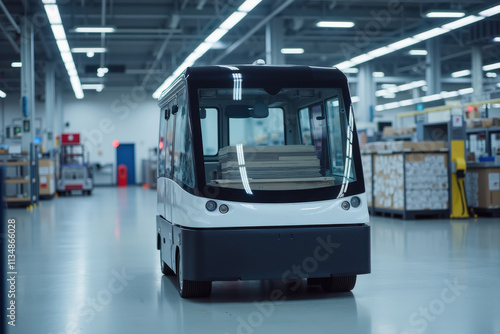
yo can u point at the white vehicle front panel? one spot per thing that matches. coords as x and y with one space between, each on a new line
189 211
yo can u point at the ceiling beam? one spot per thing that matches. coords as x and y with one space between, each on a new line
236 44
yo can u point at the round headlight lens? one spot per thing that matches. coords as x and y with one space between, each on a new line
223 208
211 206
345 205
355 201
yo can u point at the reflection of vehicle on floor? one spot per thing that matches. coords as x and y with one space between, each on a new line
259 177
74 174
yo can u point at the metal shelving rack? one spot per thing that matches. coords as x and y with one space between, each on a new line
489 132
22 175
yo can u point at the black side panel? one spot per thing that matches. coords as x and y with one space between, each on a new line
274 253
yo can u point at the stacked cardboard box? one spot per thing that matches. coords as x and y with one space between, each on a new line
483 187
368 175
388 185
270 162
46 173
426 181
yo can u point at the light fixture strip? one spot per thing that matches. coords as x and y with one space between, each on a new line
209 42
56 25
428 34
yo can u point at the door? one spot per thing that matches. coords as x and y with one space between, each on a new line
125 155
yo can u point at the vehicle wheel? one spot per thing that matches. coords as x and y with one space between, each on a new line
192 289
89 192
165 269
61 193
338 284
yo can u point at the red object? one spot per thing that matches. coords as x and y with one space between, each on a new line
122 176
70 139
74 187
115 143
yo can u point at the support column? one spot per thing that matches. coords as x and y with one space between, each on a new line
477 73
433 66
366 92
50 101
274 42
60 114
27 83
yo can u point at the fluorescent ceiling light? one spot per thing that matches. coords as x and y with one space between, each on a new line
380 52
344 65
48 1
248 5
403 43
58 31
430 98
385 86
16 64
491 74
95 30
97 87
389 96
378 74
216 35
416 52
335 24
491 11
77 87
491 67
53 14
66 57
351 70
447 95
466 91
430 34
86 50
462 22
498 84
292 51
496 39
2 94
355 99
63 45
232 20
460 74
406 103
436 14
361 58
209 42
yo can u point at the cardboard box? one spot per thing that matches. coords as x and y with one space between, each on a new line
425 146
46 173
388 131
488 187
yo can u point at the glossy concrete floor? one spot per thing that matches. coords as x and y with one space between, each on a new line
90 265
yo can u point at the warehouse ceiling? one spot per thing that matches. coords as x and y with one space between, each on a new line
153 37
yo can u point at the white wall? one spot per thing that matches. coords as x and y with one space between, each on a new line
130 116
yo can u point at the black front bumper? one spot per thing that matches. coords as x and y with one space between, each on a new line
273 253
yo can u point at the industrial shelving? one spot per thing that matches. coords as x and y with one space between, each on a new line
21 177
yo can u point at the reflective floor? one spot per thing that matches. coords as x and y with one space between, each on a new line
90 265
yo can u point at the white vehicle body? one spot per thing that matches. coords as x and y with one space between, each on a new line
258 166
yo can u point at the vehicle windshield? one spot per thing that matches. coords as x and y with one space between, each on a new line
283 139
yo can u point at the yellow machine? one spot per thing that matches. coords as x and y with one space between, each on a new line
459 166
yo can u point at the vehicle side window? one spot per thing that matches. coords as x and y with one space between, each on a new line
210 130
305 127
169 144
161 144
336 128
183 145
